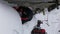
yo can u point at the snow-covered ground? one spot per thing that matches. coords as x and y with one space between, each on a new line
10 21
51 21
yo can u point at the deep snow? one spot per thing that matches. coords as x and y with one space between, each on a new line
51 21
10 21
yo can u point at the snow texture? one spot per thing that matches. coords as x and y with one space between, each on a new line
51 21
10 22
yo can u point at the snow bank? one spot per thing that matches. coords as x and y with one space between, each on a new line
10 22
51 21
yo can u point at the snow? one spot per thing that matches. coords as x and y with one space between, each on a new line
52 25
28 27
10 22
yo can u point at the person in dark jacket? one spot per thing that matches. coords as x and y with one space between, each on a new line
25 13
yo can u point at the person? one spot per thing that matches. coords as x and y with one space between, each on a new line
25 13
37 29
28 19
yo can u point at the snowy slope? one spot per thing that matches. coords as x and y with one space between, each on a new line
10 22
53 18
28 26
50 25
